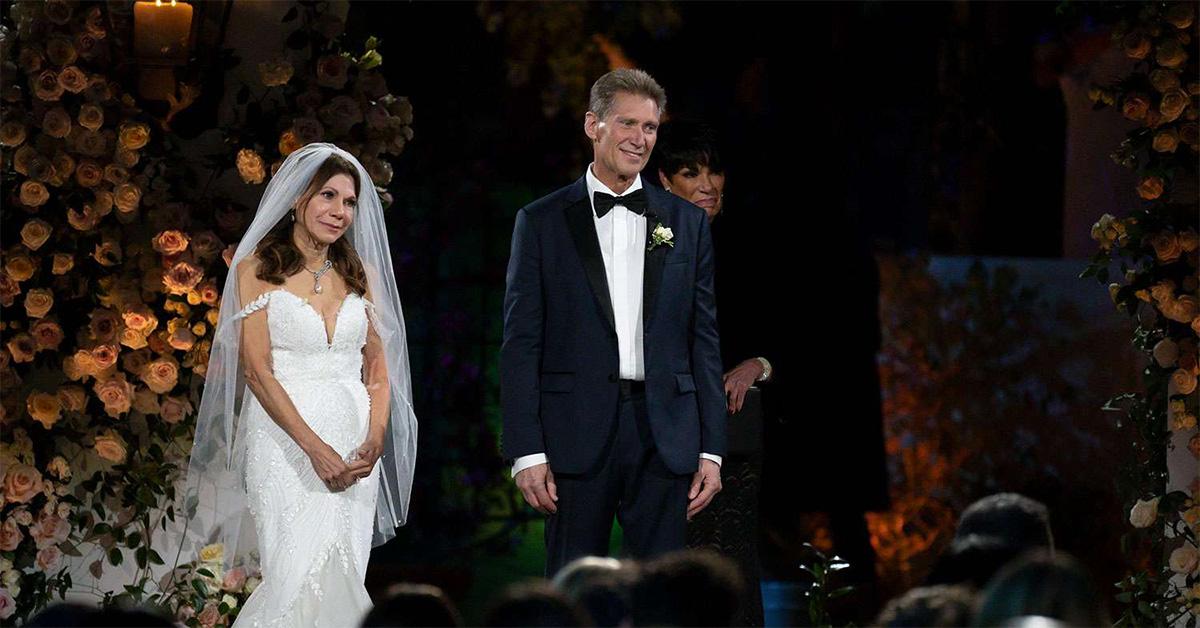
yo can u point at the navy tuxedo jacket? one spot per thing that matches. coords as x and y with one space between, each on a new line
559 362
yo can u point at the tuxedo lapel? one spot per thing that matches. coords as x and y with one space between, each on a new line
653 270
587 244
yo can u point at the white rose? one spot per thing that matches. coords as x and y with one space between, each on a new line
1184 560
665 233
252 584
1144 513
230 601
5 565
1166 352
12 580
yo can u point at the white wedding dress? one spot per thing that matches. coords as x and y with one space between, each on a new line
313 543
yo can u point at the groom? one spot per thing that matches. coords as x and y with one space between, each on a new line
610 368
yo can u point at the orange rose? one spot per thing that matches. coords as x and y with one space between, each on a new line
9 289
110 446
1134 106
10 535
134 135
84 362
88 173
145 401
1150 188
288 143
62 263
35 233
116 394
72 398
127 197
12 134
1170 54
38 302
47 334
1173 103
57 123
1183 382
115 174
158 342
1181 15
209 295
1189 241
34 194
105 356
73 79
135 362
64 167
44 408
21 483
182 278
46 87
206 245
162 374
22 347
1136 45
1164 80
1166 246
182 339
82 220
275 73
171 242
175 409
126 158
1166 140
31 60
140 317
102 202
90 143
250 166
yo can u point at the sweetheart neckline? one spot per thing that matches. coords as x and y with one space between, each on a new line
330 338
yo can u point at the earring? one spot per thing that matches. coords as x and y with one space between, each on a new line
293 215
668 188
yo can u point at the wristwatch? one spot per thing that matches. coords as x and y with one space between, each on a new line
766 374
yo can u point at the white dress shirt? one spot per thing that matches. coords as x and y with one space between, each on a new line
622 236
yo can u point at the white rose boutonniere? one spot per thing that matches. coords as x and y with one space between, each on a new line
661 235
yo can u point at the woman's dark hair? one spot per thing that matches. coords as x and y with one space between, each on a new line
686 144
1055 586
279 258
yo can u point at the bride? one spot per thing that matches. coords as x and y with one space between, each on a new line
320 454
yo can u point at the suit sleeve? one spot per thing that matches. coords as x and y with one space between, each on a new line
521 350
706 350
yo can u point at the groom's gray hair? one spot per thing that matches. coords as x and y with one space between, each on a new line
629 80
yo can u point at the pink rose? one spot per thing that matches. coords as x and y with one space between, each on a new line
7 605
49 530
235 579
174 409
49 558
21 483
10 536
209 616
331 71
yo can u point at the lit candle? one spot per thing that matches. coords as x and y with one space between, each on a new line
162 30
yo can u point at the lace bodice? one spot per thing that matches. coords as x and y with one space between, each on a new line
300 345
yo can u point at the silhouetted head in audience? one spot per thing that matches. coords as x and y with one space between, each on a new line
533 604
938 605
600 586
413 605
71 614
687 588
992 532
1044 585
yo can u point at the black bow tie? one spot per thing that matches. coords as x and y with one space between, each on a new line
634 201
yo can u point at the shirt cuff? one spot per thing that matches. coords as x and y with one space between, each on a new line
714 457
767 369
532 460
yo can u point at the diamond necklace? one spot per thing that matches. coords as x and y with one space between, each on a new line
317 274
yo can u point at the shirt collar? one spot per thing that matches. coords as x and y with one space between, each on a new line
596 185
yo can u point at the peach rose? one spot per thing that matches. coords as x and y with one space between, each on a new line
133 338
57 123
234 580
21 483
1181 15
34 194
135 362
64 167
46 86
9 289
103 325
12 134
35 233
38 302
182 278
126 158
88 173
115 174
10 535
250 166
171 242
22 347
1136 45
72 399
275 73
19 266
1189 241
1183 382
1189 133
49 558
85 362
127 197
90 143
62 263
206 245
47 334
1164 80
91 117
44 408
110 446
1183 309
72 368
140 317
209 616
146 401
116 394
31 60
1166 140
105 356
308 130
158 342
134 135
107 253
73 79
49 529
182 339
175 409
1134 106
162 374
1170 53
1173 103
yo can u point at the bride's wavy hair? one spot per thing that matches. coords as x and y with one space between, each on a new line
280 258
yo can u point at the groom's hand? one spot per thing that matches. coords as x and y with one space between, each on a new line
537 485
706 483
